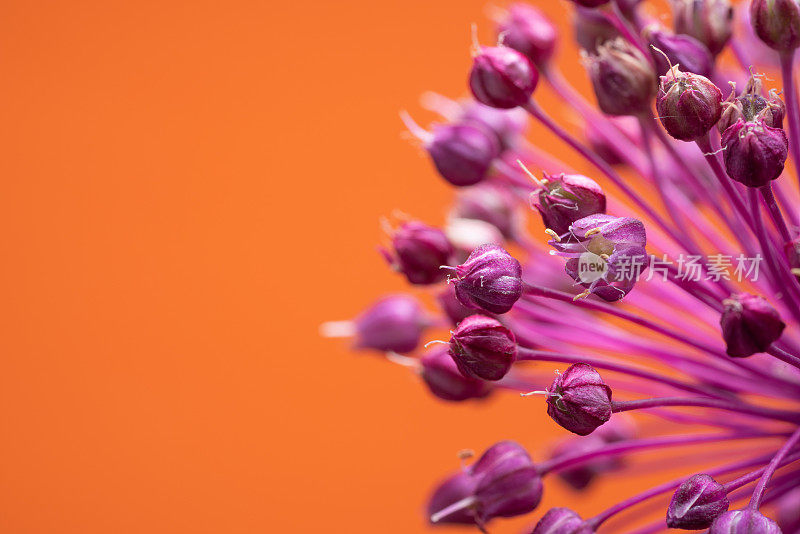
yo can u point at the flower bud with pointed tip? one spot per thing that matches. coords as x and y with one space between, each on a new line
508 482
418 252
750 106
755 153
561 521
623 80
744 522
697 503
777 23
483 348
490 203
749 325
502 78
684 50
440 373
593 27
463 153
490 280
395 323
528 31
579 400
566 198
689 105
708 21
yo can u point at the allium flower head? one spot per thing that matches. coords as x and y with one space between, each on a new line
483 348
749 325
579 400
490 279
623 79
501 77
561 200
697 503
708 21
755 153
689 105
777 23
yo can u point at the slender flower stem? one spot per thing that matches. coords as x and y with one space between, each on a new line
526 354
748 409
705 145
775 213
758 493
755 475
622 447
784 356
792 111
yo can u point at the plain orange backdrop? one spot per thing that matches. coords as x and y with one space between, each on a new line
189 190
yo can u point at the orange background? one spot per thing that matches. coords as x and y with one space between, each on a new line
189 190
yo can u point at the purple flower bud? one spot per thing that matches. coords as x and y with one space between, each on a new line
508 125
684 50
502 78
443 378
697 503
419 252
504 482
490 203
463 153
708 21
579 400
508 482
453 490
592 28
394 323
754 153
622 78
483 348
749 325
689 105
528 31
744 522
490 279
566 198
606 254
561 521
750 106
777 23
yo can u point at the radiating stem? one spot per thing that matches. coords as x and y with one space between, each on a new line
792 111
748 409
758 493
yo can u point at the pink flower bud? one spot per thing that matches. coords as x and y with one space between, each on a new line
750 106
744 522
579 400
445 381
697 503
483 348
684 50
708 21
528 31
419 252
777 23
490 203
463 153
749 325
689 105
622 78
754 153
394 323
592 27
566 198
504 482
490 279
502 78
561 521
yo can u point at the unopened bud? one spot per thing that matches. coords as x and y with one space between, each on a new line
440 373
566 198
744 522
708 21
777 23
689 105
419 251
502 78
483 348
623 80
697 503
490 279
528 31
749 325
579 400
755 153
